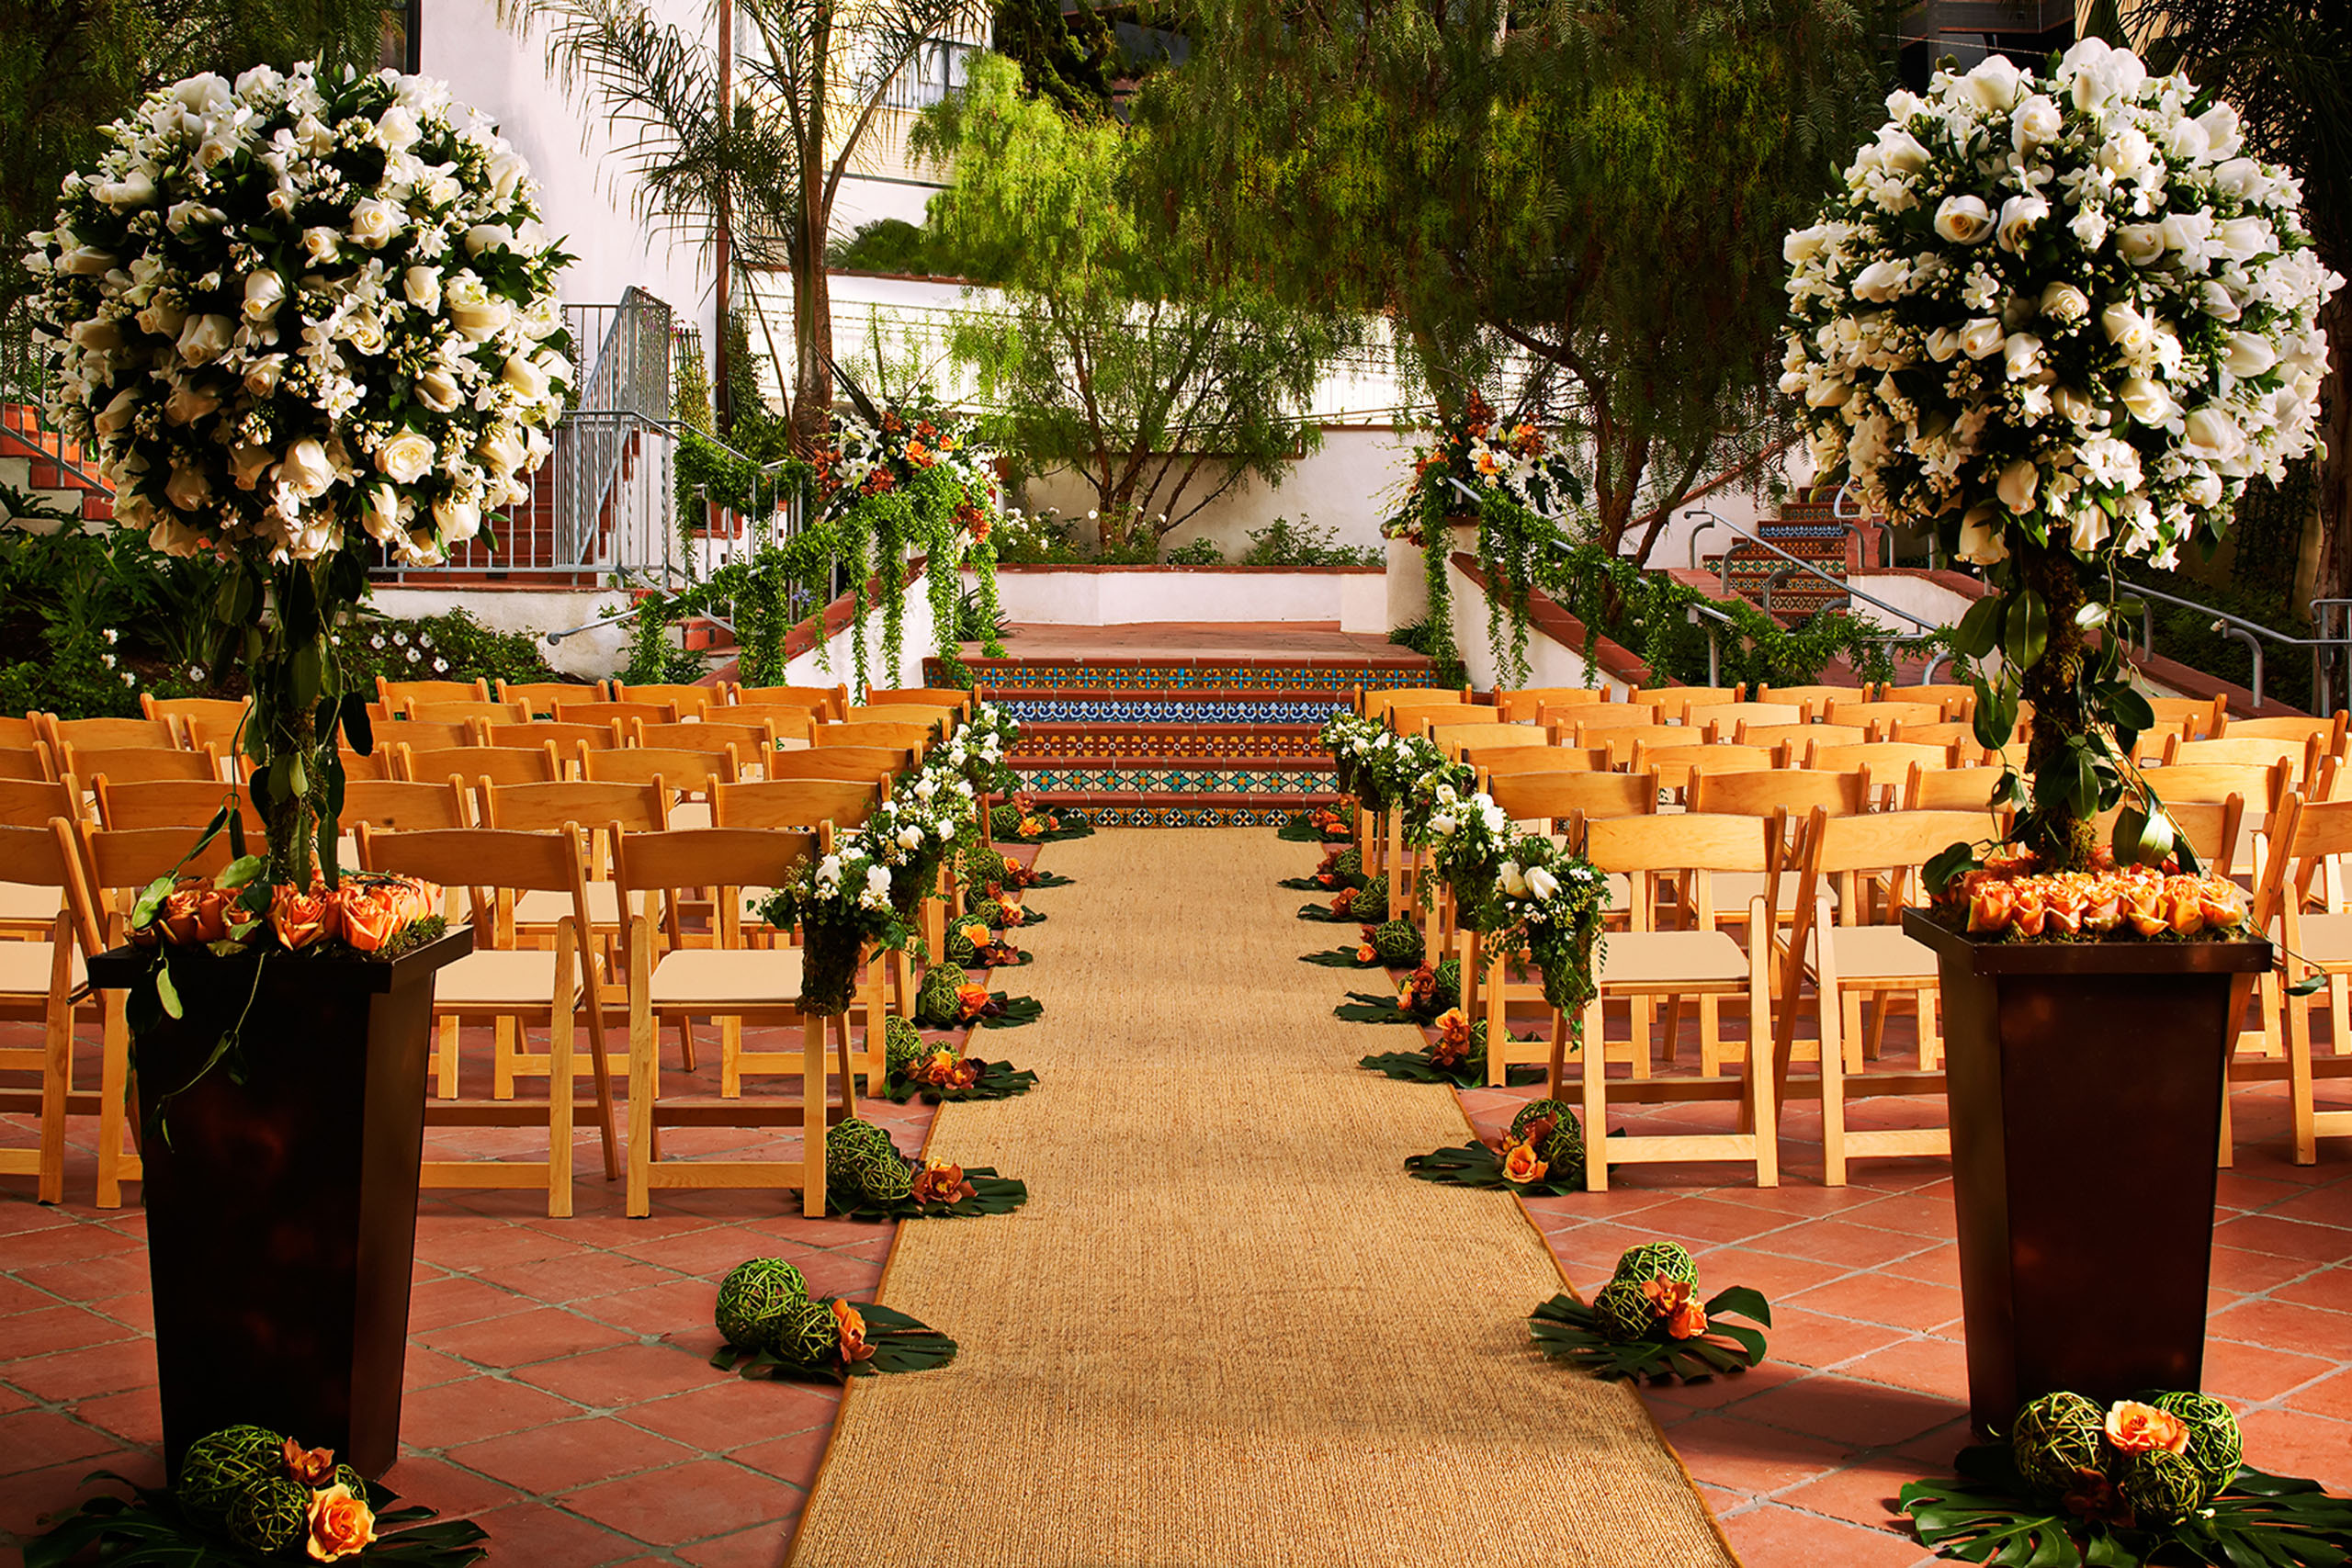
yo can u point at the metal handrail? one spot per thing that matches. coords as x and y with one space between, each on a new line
1842 586
2250 633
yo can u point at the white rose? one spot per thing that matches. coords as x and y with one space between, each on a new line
2088 226
170 537
2088 530
2129 331
1797 245
506 172
499 451
528 380
187 488
396 127
321 244
2074 406
206 338
262 375
1827 392
2203 488
2020 483
374 222
136 188
1982 338
2221 129
421 286
1942 343
2214 296
1541 883
1881 281
248 461
405 458
162 317
116 417
473 310
1513 879
489 237
2035 124
460 520
1901 152
96 335
2147 401
188 403
1963 220
1980 536
2125 154
2211 435
2186 142
85 261
382 515
1993 84
2064 303
2018 216
2249 354
2240 177
265 291
306 469
437 390
2141 244
2023 355
2242 239
1442 824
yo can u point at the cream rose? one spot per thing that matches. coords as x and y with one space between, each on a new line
2210 435
306 469
2064 303
2020 215
473 310
248 461
187 488
1964 220
261 375
2249 354
421 286
2035 124
206 338
2020 484
524 375
382 515
1980 536
2147 401
437 390
1983 338
459 519
405 458
321 245
374 222
2141 244
265 291
500 450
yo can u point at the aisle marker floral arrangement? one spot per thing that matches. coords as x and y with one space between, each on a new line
2061 319
774 1328
1648 1322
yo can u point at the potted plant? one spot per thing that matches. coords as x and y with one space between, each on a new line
2061 319
295 315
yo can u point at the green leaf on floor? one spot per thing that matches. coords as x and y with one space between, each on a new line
1339 958
991 1194
1048 879
1323 912
1565 1329
1987 1514
1415 1067
901 1343
1299 829
1476 1165
1016 1011
997 1080
149 1526
1372 1007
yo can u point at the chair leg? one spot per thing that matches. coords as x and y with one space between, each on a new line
812 1116
114 1097
1850 1015
644 1083
1763 1115
1882 1003
2298 1081
849 1068
730 1057
1835 1012
56 1080
1559 1054
686 1042
562 1035
1596 1098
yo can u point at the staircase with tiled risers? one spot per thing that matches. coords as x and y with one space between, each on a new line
1810 529
46 469
1157 742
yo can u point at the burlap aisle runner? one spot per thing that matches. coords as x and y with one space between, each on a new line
1227 1330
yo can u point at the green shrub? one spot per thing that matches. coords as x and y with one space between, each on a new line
1200 552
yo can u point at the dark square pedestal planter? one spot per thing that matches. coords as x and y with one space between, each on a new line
281 1211
2086 1083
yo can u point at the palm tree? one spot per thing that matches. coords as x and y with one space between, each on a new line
740 131
2287 64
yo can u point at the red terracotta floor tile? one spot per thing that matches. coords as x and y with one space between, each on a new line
1842 1409
2286 1442
692 1501
2257 1372
136 1417
517 1339
1882 1297
55 1327
1863 1492
477 1407
762 1546
625 1375
1810 1339
2313 1330
449 1490
1930 1366
30 1440
549 1536
566 1455
1772 1533
737 1412
2283 1237
80 1374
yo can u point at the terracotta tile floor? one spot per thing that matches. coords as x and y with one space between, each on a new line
558 1389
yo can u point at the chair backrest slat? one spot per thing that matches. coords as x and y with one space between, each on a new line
499 764
138 765
792 804
30 803
1500 762
831 702
623 714
685 698
1795 790
36 762
171 803
402 805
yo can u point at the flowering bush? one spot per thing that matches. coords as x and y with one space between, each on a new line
2061 319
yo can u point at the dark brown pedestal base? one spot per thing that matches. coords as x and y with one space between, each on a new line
281 1213
2086 1085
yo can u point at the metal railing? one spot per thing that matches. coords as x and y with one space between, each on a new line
2331 618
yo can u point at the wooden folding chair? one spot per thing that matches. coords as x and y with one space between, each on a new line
1957 732
109 734
1456 740
1564 802
1779 797
2249 751
418 710
1880 718
36 762
2302 899
965 703
1690 705
1723 720
620 713
116 868
1375 703
1851 961
867 764
568 739
830 702
1795 735
1623 741
402 805
752 743
46 982
2195 718
515 987
1816 698
1520 705
29 909
687 698
392 695
139 764
1495 761
1958 700
1888 761
423 735
472 764
2330 732
1949 789
1597 718
172 803
1676 765
944 716
914 738
795 805
540 696
685 774
788 725
1643 965
751 986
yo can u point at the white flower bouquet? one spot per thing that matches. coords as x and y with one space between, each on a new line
293 315
2062 320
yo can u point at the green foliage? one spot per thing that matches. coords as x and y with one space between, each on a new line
1284 543
1398 942
1068 60
452 645
1202 551
1597 193
889 245
1108 356
1416 635
87 621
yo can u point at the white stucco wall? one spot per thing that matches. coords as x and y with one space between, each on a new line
584 186
589 654
1549 663
1353 601
838 663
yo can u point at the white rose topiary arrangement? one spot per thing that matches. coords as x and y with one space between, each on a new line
2062 320
295 315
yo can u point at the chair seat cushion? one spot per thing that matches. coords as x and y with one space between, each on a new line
487 977
1880 954
24 967
720 979
2327 940
29 901
1659 958
545 907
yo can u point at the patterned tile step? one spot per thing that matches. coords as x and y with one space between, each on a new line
1302 782
1062 707
1230 743
1014 676
1144 811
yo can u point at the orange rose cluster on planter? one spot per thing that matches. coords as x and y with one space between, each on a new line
2008 897
365 913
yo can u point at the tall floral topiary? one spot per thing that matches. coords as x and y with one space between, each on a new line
2061 319
299 320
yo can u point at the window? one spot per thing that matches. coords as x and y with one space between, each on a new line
937 69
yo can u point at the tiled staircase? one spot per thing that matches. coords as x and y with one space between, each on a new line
1153 741
1809 529
53 476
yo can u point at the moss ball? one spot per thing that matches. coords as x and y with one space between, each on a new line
1562 1147
1372 899
1349 866
346 1476
984 867
958 949
1624 1312
2216 1446
2054 1439
1396 943
884 1176
860 1159
1449 985
936 1004
270 1515
1655 1260
1004 821
752 1294
219 1466
901 1043
806 1336
2162 1487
